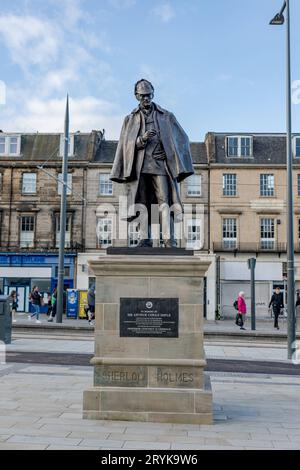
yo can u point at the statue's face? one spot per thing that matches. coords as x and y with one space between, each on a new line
145 100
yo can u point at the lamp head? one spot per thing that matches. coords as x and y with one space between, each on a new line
277 20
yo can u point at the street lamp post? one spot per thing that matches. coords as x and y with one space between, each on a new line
62 233
291 333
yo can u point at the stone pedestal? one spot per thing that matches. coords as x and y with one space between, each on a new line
159 379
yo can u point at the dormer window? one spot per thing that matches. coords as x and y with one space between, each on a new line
70 147
10 145
239 146
297 146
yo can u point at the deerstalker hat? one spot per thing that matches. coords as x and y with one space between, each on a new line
143 87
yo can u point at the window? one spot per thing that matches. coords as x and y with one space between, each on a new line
1 181
104 232
29 183
70 145
69 184
238 146
194 185
267 234
229 233
298 185
10 145
27 231
133 234
229 184
299 233
13 145
2 146
193 234
67 232
267 186
297 146
106 185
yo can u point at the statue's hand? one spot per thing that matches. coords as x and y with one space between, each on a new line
148 135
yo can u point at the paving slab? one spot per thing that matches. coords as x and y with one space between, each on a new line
252 412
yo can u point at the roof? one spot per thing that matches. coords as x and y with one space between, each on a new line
267 149
107 150
39 147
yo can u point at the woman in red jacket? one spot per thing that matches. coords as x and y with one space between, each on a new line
242 309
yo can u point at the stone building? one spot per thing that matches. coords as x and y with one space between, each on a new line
30 169
248 214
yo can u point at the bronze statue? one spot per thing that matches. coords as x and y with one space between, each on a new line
152 157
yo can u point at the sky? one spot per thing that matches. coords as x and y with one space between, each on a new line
216 64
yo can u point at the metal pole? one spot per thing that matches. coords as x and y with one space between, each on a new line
252 267
63 207
291 333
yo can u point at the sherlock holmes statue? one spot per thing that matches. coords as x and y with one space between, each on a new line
152 157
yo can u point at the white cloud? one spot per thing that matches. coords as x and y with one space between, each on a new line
48 116
30 40
58 54
165 12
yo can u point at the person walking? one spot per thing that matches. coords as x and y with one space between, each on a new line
277 304
91 304
14 307
49 304
36 301
53 305
242 309
298 311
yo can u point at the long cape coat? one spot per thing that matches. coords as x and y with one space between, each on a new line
128 160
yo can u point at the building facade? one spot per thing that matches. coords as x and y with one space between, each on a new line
248 214
30 188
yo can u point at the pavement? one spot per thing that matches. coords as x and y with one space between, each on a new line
41 404
41 408
214 349
220 328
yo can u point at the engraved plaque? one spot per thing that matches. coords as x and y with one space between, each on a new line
150 317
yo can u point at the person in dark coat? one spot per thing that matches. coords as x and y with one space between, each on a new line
277 304
297 306
53 304
35 298
91 304
14 306
152 157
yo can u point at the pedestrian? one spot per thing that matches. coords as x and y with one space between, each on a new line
277 304
298 311
49 304
65 297
36 301
14 307
242 309
53 304
91 304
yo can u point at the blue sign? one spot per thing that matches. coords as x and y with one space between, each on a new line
72 303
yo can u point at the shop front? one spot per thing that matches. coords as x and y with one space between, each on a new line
20 272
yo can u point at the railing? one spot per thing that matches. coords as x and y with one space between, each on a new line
251 247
